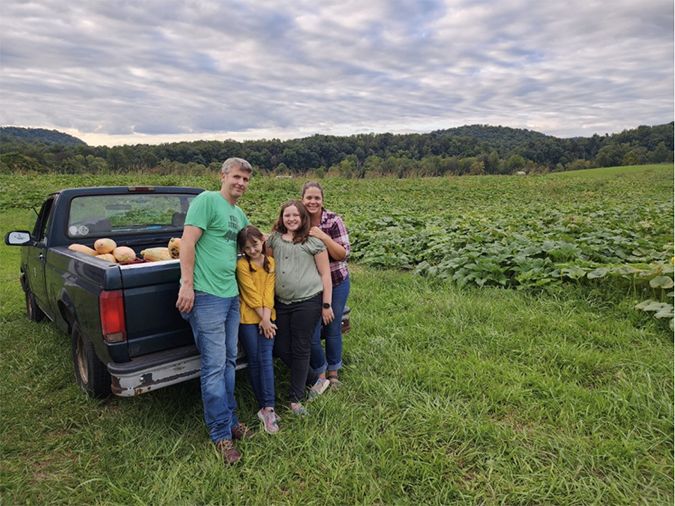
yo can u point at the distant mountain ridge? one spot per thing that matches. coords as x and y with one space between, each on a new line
13 135
470 149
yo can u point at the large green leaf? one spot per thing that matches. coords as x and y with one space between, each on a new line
661 282
666 312
573 272
657 306
598 273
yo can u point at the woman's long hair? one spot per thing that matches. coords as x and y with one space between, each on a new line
302 233
248 234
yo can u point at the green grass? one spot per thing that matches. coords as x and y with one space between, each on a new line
491 396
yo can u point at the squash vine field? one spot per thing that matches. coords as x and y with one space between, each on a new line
514 231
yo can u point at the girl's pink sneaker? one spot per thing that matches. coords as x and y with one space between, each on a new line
269 419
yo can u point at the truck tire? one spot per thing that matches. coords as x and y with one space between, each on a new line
35 314
90 372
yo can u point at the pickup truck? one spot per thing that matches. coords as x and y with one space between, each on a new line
127 337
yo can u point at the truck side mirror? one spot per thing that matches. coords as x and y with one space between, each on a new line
17 238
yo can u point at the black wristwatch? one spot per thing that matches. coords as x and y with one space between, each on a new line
326 305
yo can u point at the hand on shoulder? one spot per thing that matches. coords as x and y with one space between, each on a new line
317 232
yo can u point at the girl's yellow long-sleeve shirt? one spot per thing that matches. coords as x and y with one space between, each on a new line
256 290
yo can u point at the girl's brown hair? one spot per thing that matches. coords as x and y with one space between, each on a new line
248 234
302 233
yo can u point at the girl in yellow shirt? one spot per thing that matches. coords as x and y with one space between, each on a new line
255 277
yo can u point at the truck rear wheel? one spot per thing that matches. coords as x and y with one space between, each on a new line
90 372
35 314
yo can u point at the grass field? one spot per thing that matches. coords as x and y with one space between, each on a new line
558 395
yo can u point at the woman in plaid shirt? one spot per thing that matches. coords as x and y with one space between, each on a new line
330 228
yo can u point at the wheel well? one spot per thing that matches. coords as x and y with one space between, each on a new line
67 316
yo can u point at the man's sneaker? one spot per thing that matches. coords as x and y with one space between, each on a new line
241 432
319 387
269 420
228 451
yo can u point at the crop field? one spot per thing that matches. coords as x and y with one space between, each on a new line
512 343
614 223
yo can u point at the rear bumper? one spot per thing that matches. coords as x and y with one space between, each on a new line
168 367
158 370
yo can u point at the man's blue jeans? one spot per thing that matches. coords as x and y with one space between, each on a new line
332 334
259 355
215 325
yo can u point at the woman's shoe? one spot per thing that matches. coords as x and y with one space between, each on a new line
335 383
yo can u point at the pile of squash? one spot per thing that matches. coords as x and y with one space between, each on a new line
107 249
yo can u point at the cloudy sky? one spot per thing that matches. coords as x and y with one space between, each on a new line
148 71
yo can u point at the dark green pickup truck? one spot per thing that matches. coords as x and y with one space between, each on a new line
127 335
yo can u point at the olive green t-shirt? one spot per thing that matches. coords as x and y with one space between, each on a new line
216 249
297 276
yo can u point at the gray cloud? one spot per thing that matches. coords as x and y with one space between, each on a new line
282 69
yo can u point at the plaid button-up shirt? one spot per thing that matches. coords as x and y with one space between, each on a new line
333 225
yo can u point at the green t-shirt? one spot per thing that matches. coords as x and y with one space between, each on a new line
216 249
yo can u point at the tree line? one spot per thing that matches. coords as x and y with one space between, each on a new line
473 149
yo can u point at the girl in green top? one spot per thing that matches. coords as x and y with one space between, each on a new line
303 292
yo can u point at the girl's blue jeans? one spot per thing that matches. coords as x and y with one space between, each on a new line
215 325
332 333
259 354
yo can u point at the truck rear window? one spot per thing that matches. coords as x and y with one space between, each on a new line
110 215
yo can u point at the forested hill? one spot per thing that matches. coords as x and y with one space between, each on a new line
17 134
503 139
472 149
491 133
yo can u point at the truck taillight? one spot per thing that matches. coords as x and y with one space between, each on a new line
113 325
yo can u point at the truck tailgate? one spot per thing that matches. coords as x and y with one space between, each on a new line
150 293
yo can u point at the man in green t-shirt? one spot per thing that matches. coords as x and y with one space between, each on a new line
208 298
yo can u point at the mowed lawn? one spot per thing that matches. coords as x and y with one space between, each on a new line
553 396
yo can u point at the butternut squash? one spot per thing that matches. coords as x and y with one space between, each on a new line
108 257
83 249
174 247
156 254
124 254
104 246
